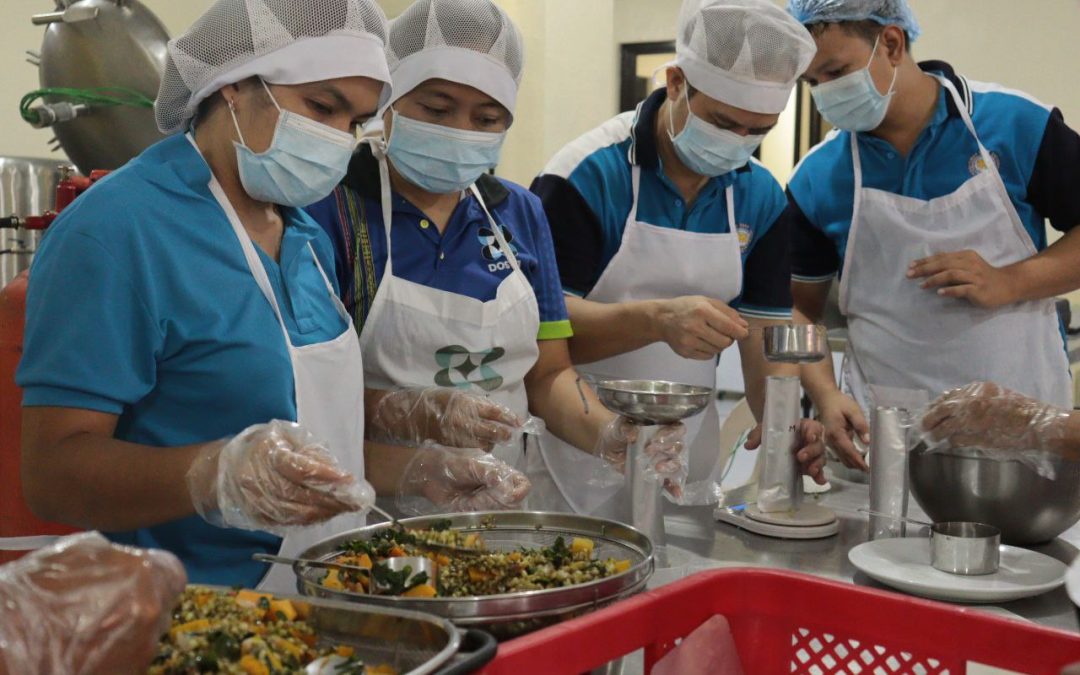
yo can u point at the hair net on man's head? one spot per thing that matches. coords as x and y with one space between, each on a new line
282 41
885 12
471 42
746 53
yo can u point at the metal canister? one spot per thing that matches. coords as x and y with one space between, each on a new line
888 472
780 487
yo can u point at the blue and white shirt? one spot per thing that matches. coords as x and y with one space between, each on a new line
1037 154
465 259
587 192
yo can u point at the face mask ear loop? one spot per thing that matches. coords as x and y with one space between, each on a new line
896 71
272 99
671 112
236 125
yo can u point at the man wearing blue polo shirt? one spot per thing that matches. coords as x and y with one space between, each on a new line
929 202
666 232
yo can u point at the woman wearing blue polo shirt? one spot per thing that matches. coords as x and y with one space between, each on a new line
459 288
186 298
930 203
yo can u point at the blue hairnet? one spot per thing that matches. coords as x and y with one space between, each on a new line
885 12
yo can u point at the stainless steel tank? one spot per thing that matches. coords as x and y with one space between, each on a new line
27 188
121 44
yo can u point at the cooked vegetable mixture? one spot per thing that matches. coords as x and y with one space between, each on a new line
490 573
246 633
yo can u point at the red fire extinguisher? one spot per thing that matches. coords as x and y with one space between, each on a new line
16 519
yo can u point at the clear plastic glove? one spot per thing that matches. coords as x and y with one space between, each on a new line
272 477
664 454
84 606
443 415
999 423
811 451
439 479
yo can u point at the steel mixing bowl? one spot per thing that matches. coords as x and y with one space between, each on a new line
653 401
796 343
1026 507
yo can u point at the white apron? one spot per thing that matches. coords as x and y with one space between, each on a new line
329 390
904 338
416 336
654 263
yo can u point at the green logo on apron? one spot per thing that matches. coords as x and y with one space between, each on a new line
463 369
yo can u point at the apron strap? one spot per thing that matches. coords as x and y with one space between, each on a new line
499 238
378 148
635 182
729 197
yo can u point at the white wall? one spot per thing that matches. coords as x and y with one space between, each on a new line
571 76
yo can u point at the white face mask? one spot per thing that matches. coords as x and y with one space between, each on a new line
707 150
852 102
304 163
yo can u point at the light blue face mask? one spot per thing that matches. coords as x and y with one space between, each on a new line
706 149
304 163
440 159
853 102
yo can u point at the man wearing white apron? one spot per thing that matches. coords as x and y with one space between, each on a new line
450 271
666 229
931 205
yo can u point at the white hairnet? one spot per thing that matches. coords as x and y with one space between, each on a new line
282 41
471 42
885 12
746 53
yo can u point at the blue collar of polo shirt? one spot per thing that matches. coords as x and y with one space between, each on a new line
363 178
643 145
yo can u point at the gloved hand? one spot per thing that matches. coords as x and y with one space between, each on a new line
444 415
84 606
663 453
843 420
811 452
987 416
271 477
459 479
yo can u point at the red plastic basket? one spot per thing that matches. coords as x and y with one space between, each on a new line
784 622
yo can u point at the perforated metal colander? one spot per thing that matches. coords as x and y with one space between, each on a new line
508 614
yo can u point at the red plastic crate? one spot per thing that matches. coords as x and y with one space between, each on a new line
785 622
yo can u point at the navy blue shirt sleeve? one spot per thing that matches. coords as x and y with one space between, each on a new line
766 291
813 257
1053 188
576 233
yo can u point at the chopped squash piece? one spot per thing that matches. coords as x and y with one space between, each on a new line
286 646
476 576
190 627
332 580
303 610
364 561
442 560
250 665
382 669
421 591
515 556
471 539
284 607
397 552
344 651
581 546
622 565
248 598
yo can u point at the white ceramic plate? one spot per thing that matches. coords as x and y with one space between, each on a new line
904 564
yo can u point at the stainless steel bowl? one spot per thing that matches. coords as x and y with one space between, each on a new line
510 614
796 343
653 401
1027 508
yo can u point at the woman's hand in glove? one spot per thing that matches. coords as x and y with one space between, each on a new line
664 451
457 479
985 415
443 415
272 477
84 606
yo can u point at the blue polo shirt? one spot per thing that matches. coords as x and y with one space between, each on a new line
464 259
1037 154
587 192
141 305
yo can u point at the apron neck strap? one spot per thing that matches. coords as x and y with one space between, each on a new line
961 107
499 238
378 149
729 197
635 182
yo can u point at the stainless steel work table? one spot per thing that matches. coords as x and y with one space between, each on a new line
696 541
